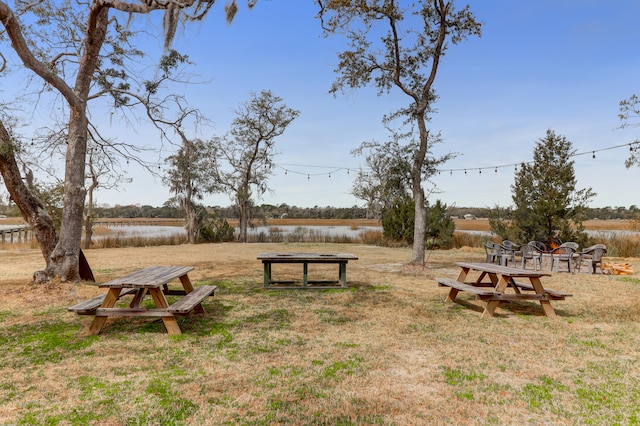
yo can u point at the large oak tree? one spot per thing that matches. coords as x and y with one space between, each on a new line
73 65
395 44
242 160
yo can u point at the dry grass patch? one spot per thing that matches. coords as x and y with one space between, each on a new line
387 350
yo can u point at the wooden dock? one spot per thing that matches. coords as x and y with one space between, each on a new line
16 235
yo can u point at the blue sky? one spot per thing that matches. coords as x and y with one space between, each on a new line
562 65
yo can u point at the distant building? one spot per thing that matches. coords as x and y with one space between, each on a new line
469 216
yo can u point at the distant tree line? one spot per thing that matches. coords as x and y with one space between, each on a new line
267 211
601 213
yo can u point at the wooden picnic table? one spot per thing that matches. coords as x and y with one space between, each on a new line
268 259
501 278
152 281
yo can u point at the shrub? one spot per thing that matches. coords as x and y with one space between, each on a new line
440 227
398 222
215 230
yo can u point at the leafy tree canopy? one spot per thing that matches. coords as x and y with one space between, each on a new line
630 116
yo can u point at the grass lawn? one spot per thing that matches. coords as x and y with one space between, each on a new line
386 351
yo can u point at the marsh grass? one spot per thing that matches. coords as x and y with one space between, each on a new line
119 241
620 244
301 234
465 239
386 351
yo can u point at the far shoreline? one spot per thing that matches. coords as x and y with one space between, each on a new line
480 224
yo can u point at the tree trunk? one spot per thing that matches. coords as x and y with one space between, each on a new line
420 215
243 205
32 209
88 230
419 226
191 220
88 214
65 260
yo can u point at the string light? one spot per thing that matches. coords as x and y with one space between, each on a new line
633 146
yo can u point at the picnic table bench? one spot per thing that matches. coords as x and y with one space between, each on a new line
152 281
89 306
268 259
492 292
479 291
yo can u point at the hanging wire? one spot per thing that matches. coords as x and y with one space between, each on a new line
329 170
632 146
287 169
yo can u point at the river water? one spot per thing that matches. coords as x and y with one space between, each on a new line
282 232
153 231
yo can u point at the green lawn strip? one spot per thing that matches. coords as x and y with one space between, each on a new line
51 340
290 393
4 315
606 393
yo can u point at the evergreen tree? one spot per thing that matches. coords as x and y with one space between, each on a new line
547 204
397 223
391 50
